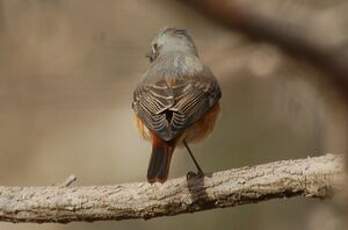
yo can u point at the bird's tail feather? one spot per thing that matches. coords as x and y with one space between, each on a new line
161 156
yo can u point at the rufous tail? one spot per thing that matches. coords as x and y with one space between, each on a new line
161 156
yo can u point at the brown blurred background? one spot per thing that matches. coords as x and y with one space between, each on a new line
67 72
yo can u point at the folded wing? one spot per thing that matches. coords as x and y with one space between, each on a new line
172 103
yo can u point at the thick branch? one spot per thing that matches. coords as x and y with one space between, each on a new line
311 177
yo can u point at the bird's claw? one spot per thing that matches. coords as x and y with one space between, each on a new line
191 175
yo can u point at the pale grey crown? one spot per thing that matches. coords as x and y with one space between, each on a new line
172 40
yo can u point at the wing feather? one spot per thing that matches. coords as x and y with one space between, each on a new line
199 95
187 99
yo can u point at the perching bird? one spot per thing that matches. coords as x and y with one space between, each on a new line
177 101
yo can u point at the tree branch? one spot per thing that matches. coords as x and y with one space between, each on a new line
295 31
312 177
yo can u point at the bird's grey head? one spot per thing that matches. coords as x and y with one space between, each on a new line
171 40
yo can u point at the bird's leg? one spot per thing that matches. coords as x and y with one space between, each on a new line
200 171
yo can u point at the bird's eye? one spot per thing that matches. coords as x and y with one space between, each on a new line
154 52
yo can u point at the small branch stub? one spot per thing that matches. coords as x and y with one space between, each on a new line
69 181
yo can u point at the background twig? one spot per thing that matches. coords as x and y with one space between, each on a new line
293 31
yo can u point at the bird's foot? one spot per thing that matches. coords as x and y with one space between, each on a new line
191 175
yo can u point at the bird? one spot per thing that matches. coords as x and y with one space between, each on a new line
176 102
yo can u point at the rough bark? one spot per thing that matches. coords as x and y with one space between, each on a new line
315 177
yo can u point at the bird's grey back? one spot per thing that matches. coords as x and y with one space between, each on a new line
174 65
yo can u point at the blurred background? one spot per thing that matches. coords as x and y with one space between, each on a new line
67 73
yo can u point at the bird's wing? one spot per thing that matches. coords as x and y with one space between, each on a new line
150 101
196 96
170 104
